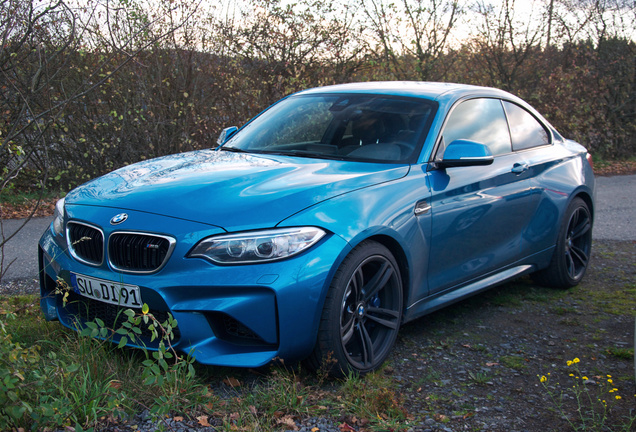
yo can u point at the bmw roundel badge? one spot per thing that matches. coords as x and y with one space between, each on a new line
116 220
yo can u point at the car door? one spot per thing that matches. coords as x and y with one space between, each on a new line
478 212
532 142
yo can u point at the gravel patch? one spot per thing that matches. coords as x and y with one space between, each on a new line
20 287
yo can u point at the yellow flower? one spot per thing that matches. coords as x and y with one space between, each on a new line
576 360
571 374
585 378
609 376
569 362
543 379
618 397
610 381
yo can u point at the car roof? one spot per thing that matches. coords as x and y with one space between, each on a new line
443 92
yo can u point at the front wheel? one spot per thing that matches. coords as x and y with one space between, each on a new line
574 246
362 313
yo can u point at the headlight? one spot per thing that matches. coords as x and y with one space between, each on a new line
58 217
256 246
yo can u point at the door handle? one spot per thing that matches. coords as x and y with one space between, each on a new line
421 207
520 168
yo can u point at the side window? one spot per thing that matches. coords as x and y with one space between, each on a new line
526 131
480 120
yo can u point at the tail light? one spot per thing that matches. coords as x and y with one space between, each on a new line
588 156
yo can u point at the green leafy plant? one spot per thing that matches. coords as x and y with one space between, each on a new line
479 378
48 391
75 379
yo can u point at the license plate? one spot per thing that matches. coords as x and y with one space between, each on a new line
116 293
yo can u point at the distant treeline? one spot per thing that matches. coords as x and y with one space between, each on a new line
79 99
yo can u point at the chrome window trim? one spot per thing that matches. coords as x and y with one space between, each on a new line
440 135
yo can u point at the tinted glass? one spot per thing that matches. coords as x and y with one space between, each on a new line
348 127
525 130
482 121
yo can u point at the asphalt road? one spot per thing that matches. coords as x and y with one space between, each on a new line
615 220
615 217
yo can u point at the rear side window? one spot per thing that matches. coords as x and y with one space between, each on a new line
525 129
482 121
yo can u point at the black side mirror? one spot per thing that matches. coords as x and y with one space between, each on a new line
461 153
226 134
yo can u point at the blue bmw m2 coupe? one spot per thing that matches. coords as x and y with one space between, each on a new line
326 222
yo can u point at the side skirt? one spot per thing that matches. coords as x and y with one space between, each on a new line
453 295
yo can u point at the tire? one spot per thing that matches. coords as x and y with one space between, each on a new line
573 248
362 313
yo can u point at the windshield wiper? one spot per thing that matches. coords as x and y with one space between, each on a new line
303 153
234 149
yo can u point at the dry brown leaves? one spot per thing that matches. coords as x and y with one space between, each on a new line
615 168
24 210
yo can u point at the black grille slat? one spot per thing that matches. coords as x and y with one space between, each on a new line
87 243
138 252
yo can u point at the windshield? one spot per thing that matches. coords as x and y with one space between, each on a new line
347 127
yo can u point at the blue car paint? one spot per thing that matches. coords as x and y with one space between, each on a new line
195 195
224 189
193 286
415 237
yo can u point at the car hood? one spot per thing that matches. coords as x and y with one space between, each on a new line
234 191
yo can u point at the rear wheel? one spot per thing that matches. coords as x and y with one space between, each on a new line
362 313
574 245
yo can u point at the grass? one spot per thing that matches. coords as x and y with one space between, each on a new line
513 362
56 378
621 353
62 379
615 302
479 378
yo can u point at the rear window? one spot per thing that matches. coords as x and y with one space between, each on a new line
525 130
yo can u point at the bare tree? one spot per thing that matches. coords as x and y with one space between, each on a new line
270 49
505 42
43 83
593 20
413 36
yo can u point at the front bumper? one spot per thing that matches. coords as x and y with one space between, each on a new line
227 315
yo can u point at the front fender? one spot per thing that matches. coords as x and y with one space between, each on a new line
384 212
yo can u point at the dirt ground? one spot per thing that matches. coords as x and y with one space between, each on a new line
478 365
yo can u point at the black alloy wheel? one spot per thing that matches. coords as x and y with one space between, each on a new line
362 313
573 249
